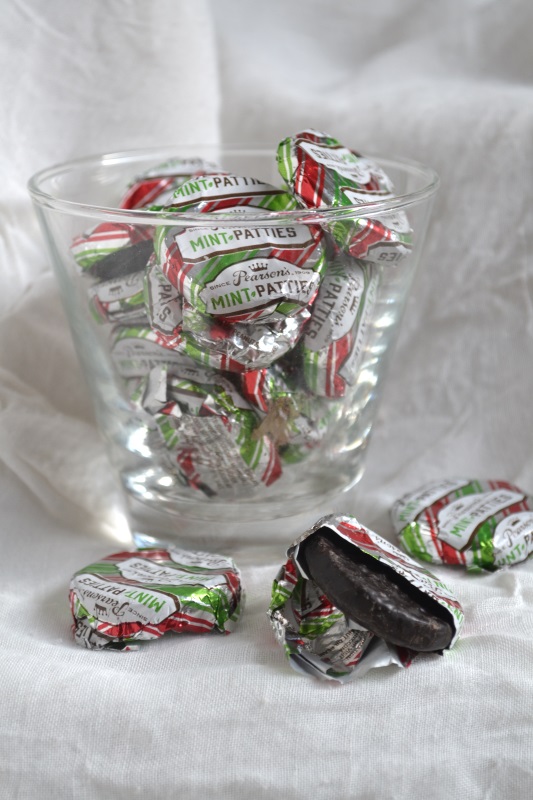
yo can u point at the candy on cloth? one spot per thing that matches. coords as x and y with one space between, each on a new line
130 597
323 173
158 184
239 346
209 429
243 273
481 525
335 337
104 241
215 193
324 641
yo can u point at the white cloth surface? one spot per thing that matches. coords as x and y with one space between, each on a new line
450 84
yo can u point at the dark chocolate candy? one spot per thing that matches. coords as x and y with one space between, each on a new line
373 595
124 261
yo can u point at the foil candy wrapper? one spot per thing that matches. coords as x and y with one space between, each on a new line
136 349
243 274
335 337
158 184
211 431
295 420
318 639
119 299
480 525
129 597
240 346
323 173
164 306
228 192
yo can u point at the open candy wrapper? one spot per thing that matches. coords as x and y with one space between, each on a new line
322 641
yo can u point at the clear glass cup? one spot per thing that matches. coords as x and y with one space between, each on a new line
265 417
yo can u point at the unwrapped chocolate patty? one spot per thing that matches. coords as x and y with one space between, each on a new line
374 595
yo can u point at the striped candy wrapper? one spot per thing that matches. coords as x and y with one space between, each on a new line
119 300
318 639
103 241
243 274
215 193
335 337
136 349
323 173
158 184
294 419
480 525
211 431
130 597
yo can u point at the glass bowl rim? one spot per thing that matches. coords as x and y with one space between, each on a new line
301 215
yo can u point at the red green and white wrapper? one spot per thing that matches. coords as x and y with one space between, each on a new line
295 420
130 597
119 299
211 431
136 349
240 346
244 273
216 193
318 639
480 525
156 186
104 240
336 335
323 173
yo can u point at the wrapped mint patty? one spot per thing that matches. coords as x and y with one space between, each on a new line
211 431
119 300
113 249
323 173
158 184
476 524
129 597
347 601
243 273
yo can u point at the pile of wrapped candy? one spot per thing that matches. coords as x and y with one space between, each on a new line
241 338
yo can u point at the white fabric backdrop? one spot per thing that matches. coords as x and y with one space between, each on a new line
450 84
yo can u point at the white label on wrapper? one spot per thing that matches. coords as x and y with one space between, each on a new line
216 187
197 244
119 603
513 538
336 307
145 571
458 521
257 282
348 370
345 163
408 507
119 288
